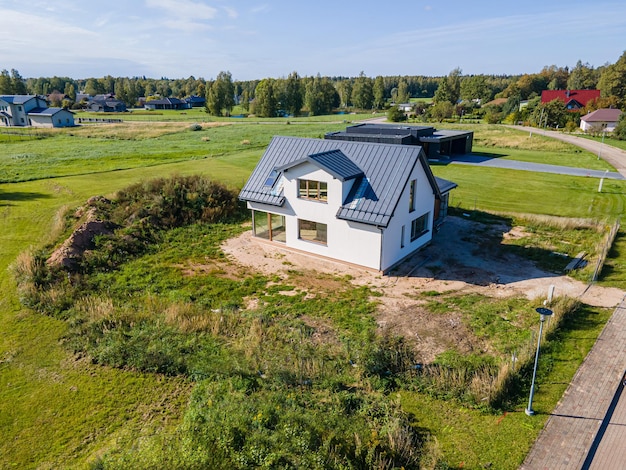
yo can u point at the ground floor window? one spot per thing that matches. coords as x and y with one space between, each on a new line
312 231
419 227
269 226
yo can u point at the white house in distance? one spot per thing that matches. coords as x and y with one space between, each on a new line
32 110
368 204
600 120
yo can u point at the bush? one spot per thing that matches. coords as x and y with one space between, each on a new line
195 127
395 114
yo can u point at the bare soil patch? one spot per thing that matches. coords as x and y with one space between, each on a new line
463 257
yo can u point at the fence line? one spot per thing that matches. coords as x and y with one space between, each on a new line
606 247
101 120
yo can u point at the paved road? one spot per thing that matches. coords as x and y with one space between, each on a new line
587 429
614 156
478 160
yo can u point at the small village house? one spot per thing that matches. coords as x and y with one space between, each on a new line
368 204
32 110
600 120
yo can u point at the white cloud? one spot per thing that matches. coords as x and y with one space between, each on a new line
231 12
184 9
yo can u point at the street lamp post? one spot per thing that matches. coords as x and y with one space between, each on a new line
543 313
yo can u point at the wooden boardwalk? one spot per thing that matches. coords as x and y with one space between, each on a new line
587 429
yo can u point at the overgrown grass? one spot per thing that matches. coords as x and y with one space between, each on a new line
124 146
469 438
59 412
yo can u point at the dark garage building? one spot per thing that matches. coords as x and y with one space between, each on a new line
438 145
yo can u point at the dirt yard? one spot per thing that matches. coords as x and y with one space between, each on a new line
456 260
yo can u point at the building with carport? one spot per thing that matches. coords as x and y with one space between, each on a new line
437 144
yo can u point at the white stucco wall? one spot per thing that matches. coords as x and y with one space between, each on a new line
353 242
346 241
424 203
607 125
61 119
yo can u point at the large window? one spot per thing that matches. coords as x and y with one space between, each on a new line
269 226
412 189
316 190
419 227
312 231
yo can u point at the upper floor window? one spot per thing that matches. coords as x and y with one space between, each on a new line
316 190
412 189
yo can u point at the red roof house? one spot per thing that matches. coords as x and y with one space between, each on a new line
573 99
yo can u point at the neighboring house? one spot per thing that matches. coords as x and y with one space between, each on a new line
405 107
600 120
166 103
438 144
31 110
573 99
14 109
51 117
367 204
106 104
194 101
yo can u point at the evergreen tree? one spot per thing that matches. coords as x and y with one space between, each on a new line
583 77
6 87
17 82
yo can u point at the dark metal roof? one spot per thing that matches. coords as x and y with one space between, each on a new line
374 195
17 99
47 111
445 185
334 162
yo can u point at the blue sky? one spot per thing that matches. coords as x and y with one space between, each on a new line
271 38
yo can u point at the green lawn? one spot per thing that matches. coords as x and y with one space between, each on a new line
57 411
501 190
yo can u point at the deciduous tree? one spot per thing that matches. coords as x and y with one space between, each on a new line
363 92
221 94
265 102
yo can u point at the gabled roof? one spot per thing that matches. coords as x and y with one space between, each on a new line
166 101
195 99
47 111
445 185
334 162
567 96
374 194
603 115
17 99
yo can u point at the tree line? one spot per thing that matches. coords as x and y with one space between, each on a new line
454 94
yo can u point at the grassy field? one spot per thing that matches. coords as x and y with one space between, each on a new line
57 410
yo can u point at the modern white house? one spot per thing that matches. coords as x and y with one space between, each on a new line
32 110
601 120
368 204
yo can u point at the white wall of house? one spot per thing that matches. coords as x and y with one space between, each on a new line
347 241
354 242
62 118
351 242
396 242
608 126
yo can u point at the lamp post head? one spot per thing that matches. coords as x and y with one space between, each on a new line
543 312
